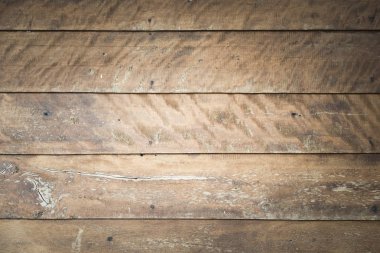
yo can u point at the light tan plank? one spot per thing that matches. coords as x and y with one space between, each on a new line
217 123
306 187
93 236
189 15
170 62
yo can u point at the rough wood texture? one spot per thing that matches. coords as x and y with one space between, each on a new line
208 123
306 187
189 14
171 62
95 236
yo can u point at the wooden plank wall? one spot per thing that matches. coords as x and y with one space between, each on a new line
189 126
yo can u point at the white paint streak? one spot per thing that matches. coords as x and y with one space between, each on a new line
131 178
76 245
43 189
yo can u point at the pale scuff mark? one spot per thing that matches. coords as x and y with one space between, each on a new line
131 178
76 245
340 113
342 189
8 168
43 189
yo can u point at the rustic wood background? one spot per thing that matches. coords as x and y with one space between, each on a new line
189 126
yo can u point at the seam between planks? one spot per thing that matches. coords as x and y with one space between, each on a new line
190 31
189 219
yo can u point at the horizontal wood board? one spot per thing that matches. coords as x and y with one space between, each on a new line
295 187
197 62
93 236
190 15
208 123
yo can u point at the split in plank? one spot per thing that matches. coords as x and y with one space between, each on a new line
190 15
95 236
33 123
306 187
197 62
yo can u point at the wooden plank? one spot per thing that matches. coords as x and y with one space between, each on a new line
189 15
197 123
95 236
306 187
172 62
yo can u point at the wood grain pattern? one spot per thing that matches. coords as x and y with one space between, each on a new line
298 187
173 62
202 123
74 161
189 15
95 236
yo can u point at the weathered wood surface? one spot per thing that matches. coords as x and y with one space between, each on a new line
197 123
189 15
172 62
306 187
93 236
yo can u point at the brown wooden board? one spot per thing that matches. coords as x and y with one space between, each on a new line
196 62
102 236
202 123
189 15
296 187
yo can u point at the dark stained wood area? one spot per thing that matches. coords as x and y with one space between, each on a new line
228 126
190 15
178 62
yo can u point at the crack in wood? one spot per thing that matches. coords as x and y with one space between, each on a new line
131 178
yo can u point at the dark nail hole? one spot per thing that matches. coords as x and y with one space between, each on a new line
150 142
374 208
104 54
152 206
371 142
109 238
46 113
149 20
151 83
294 114
118 119
141 154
